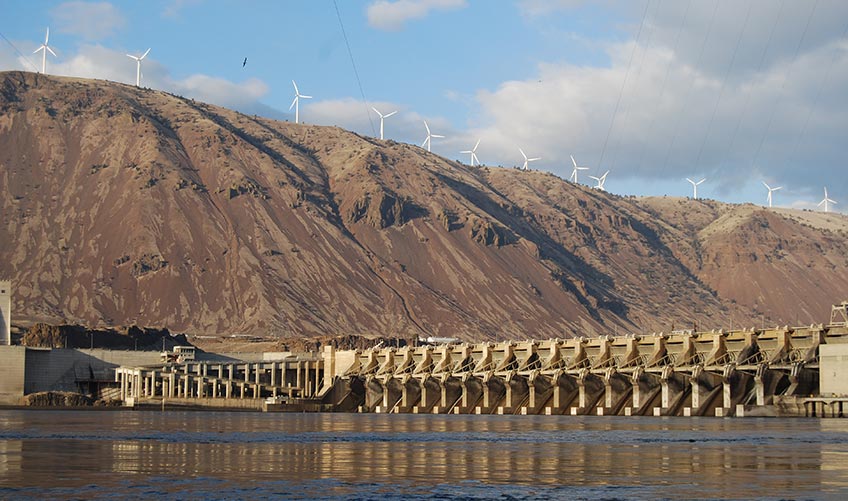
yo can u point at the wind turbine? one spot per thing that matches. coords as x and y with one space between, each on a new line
473 152
387 115
770 190
527 160
826 200
296 103
138 59
429 136
576 168
44 48
695 187
601 180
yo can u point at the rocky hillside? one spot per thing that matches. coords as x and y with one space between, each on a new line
124 205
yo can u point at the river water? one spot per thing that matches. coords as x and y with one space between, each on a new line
221 455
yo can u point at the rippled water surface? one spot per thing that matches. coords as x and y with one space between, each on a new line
87 454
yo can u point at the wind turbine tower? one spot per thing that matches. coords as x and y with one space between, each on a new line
44 48
573 177
772 190
382 117
695 187
600 180
138 59
296 104
473 153
429 136
826 201
527 161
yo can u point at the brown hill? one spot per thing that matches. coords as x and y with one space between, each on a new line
125 205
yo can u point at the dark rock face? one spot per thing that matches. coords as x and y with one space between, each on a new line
64 399
76 336
127 205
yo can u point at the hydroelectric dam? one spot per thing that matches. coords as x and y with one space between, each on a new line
784 371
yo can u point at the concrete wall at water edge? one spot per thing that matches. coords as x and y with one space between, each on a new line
26 370
833 370
12 363
5 312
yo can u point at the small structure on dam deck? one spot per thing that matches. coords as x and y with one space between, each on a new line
772 371
6 312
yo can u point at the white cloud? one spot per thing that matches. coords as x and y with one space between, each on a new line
174 7
92 21
679 116
221 91
392 15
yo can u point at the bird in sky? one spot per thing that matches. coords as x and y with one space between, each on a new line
244 63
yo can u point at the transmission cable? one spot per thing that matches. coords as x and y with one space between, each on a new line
783 85
815 102
759 70
621 91
723 85
34 67
648 43
355 72
665 79
689 91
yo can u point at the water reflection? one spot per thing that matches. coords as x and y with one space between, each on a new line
677 458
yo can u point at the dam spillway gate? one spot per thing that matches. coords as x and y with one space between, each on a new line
718 373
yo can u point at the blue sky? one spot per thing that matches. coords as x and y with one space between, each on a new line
739 92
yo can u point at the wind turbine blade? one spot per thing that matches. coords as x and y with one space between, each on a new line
306 97
38 49
293 102
582 168
130 55
693 182
436 135
145 54
775 189
522 153
534 159
476 145
51 51
390 114
474 158
295 88
466 151
766 185
702 180
819 204
573 161
377 112
427 127
47 36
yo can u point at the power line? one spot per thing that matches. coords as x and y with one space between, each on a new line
623 84
34 67
689 91
355 72
759 69
815 102
723 86
665 78
617 148
783 85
